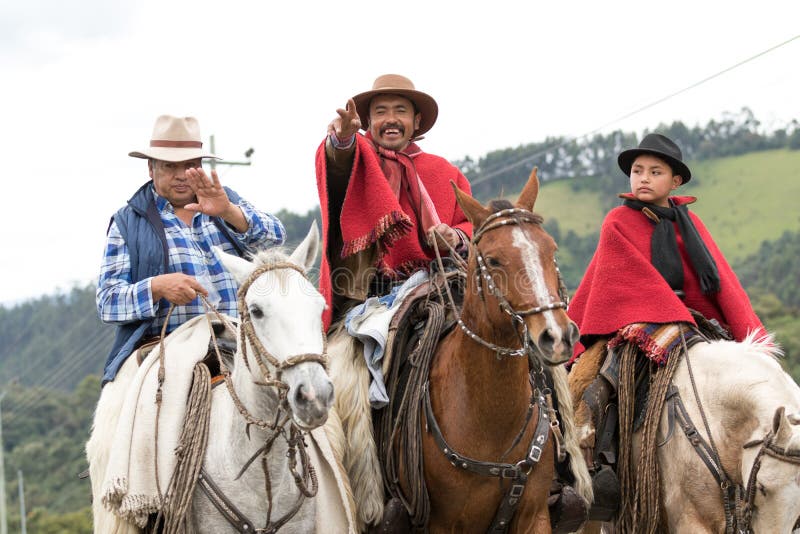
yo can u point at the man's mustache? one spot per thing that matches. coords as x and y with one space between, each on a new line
392 127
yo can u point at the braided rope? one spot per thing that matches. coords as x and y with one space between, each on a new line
190 453
640 510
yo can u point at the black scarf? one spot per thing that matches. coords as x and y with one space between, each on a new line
664 247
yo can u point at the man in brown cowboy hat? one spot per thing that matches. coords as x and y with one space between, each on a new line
384 201
158 248
385 205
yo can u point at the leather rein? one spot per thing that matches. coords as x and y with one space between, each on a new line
305 478
541 395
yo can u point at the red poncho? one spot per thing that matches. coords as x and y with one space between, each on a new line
621 286
371 212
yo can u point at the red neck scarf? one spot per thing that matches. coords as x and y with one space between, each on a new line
401 173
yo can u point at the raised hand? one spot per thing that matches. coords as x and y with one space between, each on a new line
211 197
347 123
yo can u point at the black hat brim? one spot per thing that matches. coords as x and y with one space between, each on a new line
627 157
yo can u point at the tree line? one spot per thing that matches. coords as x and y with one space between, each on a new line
561 157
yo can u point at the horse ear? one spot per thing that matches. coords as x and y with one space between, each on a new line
239 268
781 426
306 252
529 193
473 209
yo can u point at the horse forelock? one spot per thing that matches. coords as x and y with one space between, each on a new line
271 255
500 204
274 255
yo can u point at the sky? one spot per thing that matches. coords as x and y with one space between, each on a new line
82 84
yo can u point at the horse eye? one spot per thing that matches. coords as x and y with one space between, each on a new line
493 262
256 312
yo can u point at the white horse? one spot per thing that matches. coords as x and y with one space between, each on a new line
746 397
284 309
753 410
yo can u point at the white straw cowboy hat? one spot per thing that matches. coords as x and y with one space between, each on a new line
174 139
394 84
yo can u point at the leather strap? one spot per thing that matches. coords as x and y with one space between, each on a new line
517 473
232 514
731 492
223 505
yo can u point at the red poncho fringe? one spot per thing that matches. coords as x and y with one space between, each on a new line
371 213
621 286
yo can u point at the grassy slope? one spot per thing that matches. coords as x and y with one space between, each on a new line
743 200
576 211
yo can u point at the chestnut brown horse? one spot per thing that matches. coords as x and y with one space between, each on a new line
486 423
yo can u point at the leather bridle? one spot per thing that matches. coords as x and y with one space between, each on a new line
483 276
541 395
282 425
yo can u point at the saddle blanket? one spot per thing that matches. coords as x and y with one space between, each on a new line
130 489
656 340
369 323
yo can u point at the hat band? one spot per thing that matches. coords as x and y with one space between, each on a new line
176 144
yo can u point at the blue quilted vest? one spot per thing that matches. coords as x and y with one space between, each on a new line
143 231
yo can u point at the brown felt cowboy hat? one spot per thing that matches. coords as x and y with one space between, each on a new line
394 84
660 146
174 139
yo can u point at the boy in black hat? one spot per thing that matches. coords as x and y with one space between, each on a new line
655 259
655 272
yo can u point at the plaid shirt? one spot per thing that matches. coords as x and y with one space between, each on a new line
120 300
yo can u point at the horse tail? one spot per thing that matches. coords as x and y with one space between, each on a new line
577 465
334 433
350 377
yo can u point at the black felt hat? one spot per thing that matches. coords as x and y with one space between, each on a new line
660 146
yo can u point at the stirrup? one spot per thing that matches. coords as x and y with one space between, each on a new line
605 485
568 510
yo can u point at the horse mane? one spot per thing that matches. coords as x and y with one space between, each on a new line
759 382
499 204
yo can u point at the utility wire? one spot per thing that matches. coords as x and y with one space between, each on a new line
30 398
75 361
569 140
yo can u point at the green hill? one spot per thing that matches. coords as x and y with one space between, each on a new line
744 200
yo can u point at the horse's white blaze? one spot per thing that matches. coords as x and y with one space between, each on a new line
535 272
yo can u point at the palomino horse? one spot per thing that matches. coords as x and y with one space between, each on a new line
282 347
746 477
753 410
482 437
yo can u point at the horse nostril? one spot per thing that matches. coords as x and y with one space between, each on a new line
328 395
546 341
303 394
573 334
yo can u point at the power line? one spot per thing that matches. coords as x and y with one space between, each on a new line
30 398
569 140
65 334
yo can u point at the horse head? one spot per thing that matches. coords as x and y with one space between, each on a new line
513 269
281 329
772 465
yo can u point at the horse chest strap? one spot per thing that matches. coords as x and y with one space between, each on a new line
517 473
225 507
